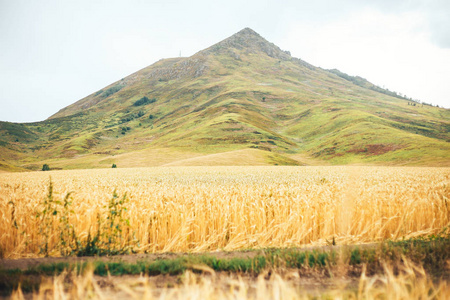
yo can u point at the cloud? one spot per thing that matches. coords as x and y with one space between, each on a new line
391 50
439 26
435 13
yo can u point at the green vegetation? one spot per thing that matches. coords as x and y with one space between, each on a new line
125 129
47 218
45 167
114 166
113 235
224 99
144 101
111 91
132 116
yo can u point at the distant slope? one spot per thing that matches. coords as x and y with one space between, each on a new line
241 93
243 157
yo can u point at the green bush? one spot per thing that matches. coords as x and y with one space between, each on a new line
111 91
114 166
45 167
144 101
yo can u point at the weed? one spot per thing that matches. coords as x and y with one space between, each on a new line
67 235
355 257
55 218
46 219
115 224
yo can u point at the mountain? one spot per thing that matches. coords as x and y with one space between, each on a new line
242 101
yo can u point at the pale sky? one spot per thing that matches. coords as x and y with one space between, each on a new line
53 53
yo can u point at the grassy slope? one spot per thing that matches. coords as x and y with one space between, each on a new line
238 94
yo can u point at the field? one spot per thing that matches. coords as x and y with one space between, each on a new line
210 209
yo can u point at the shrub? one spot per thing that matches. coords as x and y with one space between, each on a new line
111 90
131 117
45 167
114 166
144 101
125 129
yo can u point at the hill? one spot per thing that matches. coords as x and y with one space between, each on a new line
241 94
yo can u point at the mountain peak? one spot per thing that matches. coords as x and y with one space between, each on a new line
242 94
247 32
250 41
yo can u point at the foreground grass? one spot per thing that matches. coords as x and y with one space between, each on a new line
431 253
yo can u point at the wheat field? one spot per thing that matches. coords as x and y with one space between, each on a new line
196 209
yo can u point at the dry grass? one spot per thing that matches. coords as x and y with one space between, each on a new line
243 157
193 209
410 282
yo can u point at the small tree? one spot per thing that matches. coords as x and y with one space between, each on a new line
45 167
114 166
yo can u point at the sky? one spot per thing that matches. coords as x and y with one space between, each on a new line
53 52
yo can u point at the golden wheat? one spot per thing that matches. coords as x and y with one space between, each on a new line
193 209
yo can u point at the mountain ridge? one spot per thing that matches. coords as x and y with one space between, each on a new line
249 40
241 93
246 39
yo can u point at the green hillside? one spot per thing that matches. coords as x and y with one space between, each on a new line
242 93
